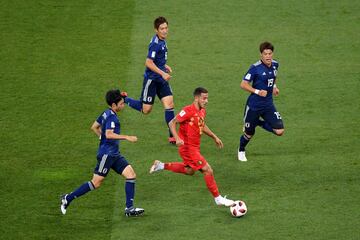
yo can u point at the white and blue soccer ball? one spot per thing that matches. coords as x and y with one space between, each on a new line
239 209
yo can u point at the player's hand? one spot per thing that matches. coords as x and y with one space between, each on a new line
168 69
262 93
219 143
179 142
132 138
276 91
166 76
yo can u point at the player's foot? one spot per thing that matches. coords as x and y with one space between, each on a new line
124 94
223 201
134 212
157 166
64 204
172 140
242 156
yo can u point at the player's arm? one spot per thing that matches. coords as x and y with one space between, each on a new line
149 63
247 87
168 68
172 127
111 135
96 127
217 140
276 90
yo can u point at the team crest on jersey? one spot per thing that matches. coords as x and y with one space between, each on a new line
264 74
200 162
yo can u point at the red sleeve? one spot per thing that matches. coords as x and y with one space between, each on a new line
184 115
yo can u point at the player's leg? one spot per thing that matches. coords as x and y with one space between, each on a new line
148 92
122 167
100 172
176 167
273 119
265 125
212 186
250 122
164 92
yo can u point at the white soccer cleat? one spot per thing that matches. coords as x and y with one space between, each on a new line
64 204
157 166
223 201
241 156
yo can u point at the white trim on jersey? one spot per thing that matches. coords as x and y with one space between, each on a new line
257 63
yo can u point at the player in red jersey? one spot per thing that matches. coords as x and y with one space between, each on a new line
192 125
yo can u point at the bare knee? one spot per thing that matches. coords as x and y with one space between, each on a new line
169 105
97 181
146 109
279 132
207 170
129 172
189 171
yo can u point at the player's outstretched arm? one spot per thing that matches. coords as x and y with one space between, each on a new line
111 135
217 140
96 127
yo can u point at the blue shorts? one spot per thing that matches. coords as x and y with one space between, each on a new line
269 114
152 87
104 162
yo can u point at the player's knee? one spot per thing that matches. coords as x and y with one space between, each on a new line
146 109
97 182
129 172
249 134
169 105
279 132
189 171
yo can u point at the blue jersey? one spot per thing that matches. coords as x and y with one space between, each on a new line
158 53
262 78
108 120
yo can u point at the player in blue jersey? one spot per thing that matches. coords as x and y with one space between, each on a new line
260 109
107 128
156 77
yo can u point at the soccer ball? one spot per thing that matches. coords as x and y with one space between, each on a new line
239 209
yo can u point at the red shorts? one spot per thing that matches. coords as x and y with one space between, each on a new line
192 158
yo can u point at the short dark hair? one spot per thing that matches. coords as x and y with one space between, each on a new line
199 90
113 96
266 45
158 21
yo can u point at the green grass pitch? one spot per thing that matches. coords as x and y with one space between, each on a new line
59 57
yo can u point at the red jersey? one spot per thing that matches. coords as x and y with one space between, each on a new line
192 122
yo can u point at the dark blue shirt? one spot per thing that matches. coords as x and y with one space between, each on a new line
108 120
158 53
262 78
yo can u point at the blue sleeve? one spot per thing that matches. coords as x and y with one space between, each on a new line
153 50
99 120
250 74
111 122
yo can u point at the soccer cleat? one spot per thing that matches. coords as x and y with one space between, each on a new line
156 166
64 204
241 156
134 212
124 94
223 201
172 140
